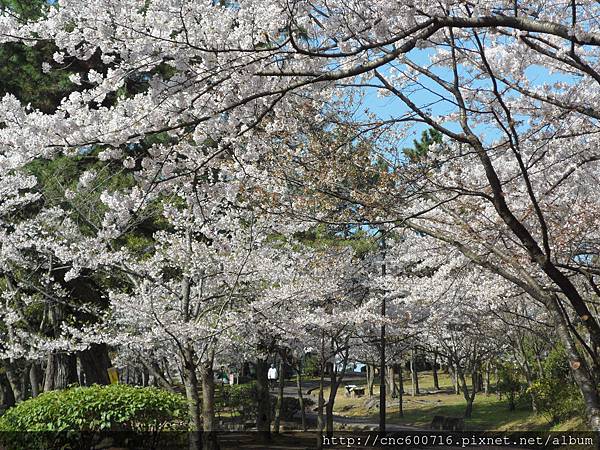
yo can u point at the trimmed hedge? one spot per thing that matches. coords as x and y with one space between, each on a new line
64 419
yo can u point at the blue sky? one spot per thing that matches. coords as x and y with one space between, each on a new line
392 107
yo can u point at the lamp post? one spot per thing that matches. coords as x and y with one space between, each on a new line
382 405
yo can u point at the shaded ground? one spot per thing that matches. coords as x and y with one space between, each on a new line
308 440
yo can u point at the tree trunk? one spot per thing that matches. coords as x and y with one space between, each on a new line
167 373
336 379
469 410
382 392
382 349
279 405
540 368
455 380
209 437
7 396
471 400
263 413
475 381
301 397
320 409
94 363
370 379
14 379
25 382
469 396
414 374
80 374
321 400
436 382
529 380
497 382
543 260
527 370
61 371
330 400
487 386
329 408
578 365
400 390
193 398
34 379
391 385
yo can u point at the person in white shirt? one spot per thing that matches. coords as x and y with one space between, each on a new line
272 376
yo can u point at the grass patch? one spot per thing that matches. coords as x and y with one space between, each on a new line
490 413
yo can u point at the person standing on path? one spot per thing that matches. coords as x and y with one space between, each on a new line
272 376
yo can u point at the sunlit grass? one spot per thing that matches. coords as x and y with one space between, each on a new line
490 413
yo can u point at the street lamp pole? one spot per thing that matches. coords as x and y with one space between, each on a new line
382 405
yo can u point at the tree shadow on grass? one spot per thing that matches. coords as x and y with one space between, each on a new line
488 414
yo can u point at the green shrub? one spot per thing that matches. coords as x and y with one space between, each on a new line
291 406
310 368
242 399
63 418
510 384
556 395
556 400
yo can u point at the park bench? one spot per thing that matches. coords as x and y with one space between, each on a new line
447 423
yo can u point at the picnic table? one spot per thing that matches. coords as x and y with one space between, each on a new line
352 390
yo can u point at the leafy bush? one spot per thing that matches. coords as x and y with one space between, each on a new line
558 401
555 394
243 399
510 384
291 405
311 366
62 419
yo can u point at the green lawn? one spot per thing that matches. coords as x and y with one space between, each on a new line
489 412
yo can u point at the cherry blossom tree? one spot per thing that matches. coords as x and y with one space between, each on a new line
510 86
